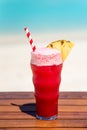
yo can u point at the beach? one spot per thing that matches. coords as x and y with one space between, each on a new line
47 21
16 75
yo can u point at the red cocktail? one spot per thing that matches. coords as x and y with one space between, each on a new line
46 80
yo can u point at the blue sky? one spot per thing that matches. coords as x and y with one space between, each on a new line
42 15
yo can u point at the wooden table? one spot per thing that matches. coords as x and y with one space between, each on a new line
17 112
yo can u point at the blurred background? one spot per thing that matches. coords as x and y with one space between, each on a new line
47 20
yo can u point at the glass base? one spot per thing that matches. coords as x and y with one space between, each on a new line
46 118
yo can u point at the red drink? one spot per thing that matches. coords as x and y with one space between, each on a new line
46 80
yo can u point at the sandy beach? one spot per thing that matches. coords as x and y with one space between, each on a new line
47 21
15 72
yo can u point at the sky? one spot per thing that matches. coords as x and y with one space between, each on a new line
42 15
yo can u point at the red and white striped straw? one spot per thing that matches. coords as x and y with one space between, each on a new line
28 34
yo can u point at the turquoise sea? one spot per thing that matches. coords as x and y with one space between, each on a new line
42 16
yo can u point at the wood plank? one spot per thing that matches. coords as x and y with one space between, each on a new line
73 95
61 101
44 129
15 95
7 102
43 124
27 95
31 115
72 102
31 107
72 115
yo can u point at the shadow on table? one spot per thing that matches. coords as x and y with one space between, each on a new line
27 108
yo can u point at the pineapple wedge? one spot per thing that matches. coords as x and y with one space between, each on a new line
63 46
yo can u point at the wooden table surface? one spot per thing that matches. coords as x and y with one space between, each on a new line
17 112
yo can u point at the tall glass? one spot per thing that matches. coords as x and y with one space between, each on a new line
46 80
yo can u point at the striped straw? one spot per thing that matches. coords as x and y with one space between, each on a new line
28 34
